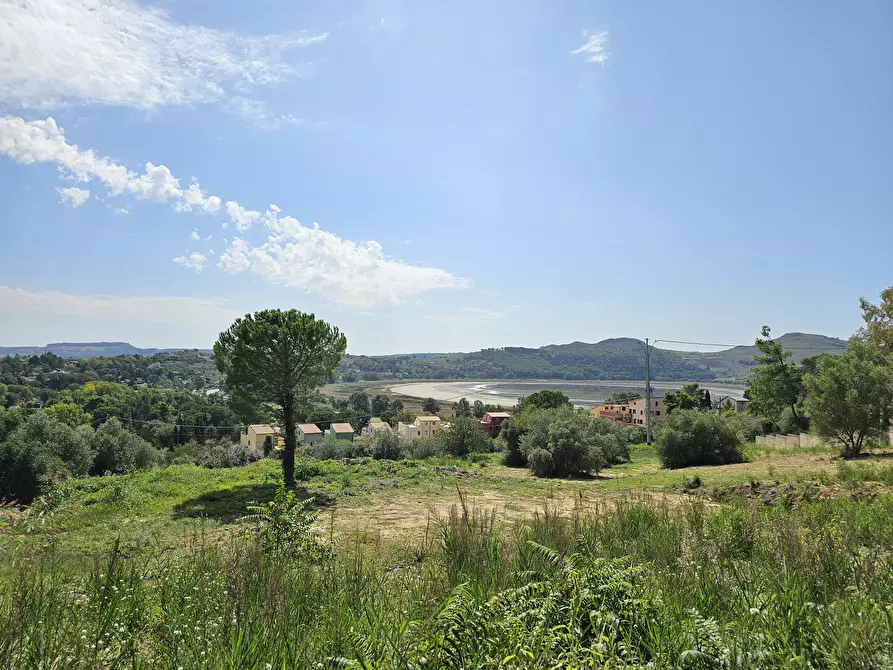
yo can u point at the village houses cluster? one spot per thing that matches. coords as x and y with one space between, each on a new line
423 427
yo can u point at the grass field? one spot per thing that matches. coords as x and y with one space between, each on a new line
784 560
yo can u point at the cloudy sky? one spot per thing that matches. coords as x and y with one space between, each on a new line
443 176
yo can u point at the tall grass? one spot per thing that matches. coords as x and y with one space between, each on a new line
633 583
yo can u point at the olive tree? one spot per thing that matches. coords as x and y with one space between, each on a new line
278 358
848 395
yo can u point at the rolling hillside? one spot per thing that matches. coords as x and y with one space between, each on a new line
613 359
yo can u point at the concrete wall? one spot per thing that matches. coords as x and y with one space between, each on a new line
790 441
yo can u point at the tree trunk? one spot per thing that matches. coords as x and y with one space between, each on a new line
291 439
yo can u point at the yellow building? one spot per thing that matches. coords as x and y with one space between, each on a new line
423 426
255 434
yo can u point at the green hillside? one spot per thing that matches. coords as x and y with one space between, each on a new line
612 359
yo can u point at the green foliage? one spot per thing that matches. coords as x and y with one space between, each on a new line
219 454
380 404
70 414
560 442
39 452
286 526
621 397
335 449
359 402
510 433
277 358
775 384
462 408
543 400
848 396
690 437
387 445
690 396
118 450
464 437
431 406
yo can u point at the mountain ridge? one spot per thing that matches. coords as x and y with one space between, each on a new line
609 359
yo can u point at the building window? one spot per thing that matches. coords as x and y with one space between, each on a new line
657 413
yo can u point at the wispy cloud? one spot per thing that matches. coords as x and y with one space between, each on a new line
121 53
595 47
36 317
258 113
293 255
162 309
194 235
194 261
73 196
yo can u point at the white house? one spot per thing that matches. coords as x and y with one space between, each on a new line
308 433
423 426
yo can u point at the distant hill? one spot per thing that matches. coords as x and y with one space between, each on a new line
87 350
613 359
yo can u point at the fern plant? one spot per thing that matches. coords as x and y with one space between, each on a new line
285 525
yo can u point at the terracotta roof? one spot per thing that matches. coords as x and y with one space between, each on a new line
342 428
260 428
427 418
500 415
309 428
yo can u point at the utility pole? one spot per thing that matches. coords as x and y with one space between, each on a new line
647 394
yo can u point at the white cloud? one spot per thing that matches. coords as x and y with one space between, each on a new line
293 255
74 196
257 112
36 317
194 234
594 48
121 53
123 211
194 261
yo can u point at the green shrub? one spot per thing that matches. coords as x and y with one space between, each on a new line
387 445
219 454
41 452
575 442
463 437
423 448
333 449
510 434
541 463
690 437
118 450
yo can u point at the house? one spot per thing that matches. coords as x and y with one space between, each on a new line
255 434
612 412
492 422
308 433
340 431
376 426
638 407
423 426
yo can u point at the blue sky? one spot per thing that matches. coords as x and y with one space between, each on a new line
482 174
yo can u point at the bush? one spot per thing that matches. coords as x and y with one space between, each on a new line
118 450
387 445
423 448
613 446
747 425
463 437
572 439
41 452
540 462
690 437
212 455
511 434
332 449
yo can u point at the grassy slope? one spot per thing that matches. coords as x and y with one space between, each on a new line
373 500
